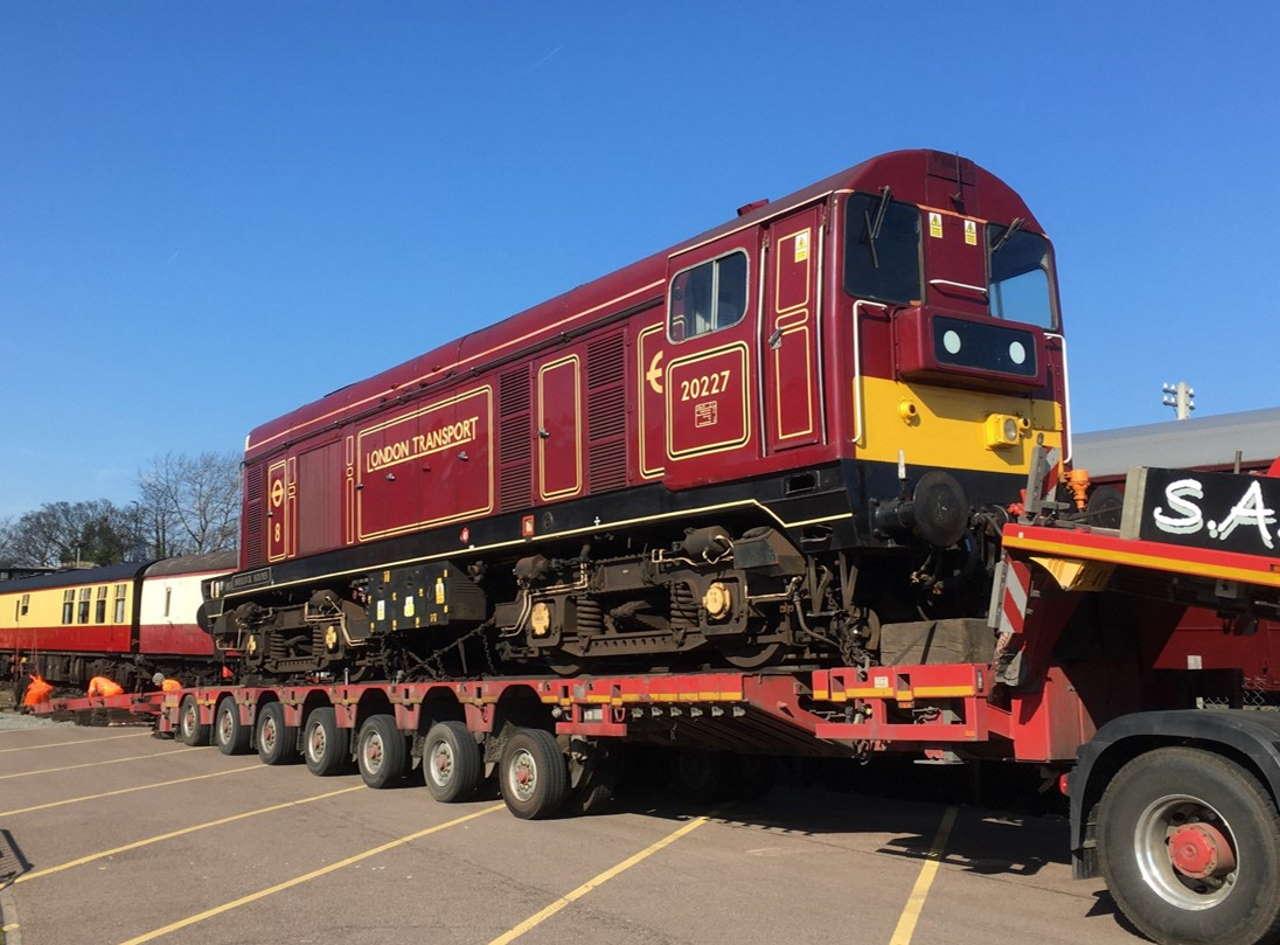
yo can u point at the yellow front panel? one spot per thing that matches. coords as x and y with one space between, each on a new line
946 426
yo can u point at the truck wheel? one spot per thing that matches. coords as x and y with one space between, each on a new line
451 762
277 742
380 751
533 774
229 733
325 746
190 731
1189 844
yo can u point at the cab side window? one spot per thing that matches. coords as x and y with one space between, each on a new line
708 297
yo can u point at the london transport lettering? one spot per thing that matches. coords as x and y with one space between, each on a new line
1209 510
421 444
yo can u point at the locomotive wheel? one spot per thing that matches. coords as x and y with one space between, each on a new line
751 655
325 747
229 733
1189 844
381 752
451 762
277 743
190 729
533 774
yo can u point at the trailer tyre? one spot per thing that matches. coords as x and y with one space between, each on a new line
451 762
380 751
277 742
229 733
1189 844
533 775
190 729
325 747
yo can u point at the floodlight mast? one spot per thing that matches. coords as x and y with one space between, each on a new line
1181 397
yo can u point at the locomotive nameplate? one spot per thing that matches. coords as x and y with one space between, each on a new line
427 466
708 406
1219 511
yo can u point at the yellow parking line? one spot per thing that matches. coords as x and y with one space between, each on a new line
78 741
306 877
94 764
129 790
915 901
80 861
598 880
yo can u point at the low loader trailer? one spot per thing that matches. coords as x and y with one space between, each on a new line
1173 786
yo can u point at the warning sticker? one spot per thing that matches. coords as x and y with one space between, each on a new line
971 232
935 225
802 246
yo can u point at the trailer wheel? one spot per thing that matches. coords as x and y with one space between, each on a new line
1189 844
229 733
277 742
325 747
190 731
380 751
700 776
451 762
533 774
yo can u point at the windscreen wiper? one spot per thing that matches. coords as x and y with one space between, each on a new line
1013 227
873 227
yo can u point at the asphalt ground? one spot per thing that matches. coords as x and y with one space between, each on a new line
126 838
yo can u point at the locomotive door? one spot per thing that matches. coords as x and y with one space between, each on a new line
697 393
789 333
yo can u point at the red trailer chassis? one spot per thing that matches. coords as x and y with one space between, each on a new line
1176 806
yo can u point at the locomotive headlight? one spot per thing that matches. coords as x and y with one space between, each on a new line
1002 430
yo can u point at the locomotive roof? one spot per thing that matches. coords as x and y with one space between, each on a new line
905 172
1179 444
76 577
195 564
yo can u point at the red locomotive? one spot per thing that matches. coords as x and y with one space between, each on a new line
791 437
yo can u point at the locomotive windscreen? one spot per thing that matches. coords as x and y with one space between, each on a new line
882 249
1020 266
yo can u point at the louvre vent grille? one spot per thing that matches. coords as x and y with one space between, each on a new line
606 413
253 487
515 444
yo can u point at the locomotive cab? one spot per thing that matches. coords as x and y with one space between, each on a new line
959 362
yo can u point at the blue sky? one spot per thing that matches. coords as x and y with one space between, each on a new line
210 214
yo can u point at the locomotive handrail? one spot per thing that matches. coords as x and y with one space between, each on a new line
857 369
981 290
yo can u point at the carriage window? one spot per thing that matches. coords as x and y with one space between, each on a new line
1020 266
708 297
881 248
168 598
68 606
119 614
83 613
100 605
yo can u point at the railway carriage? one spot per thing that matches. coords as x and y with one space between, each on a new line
791 437
126 621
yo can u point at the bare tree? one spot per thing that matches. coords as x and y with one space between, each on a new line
57 533
190 504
